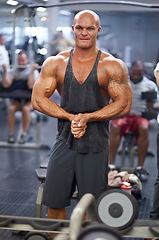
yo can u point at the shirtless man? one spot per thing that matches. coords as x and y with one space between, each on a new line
86 79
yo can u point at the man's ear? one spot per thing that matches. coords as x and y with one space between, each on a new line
99 29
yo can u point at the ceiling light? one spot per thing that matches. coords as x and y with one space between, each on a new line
41 9
13 10
12 2
43 19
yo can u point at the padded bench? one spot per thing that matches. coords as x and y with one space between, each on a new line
41 174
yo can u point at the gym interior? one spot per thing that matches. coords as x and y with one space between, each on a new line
129 32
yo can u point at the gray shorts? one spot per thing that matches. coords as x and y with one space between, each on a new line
68 169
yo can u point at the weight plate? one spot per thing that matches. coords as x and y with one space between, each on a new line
36 236
44 225
98 231
117 208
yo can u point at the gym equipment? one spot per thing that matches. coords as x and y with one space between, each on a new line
36 236
19 89
117 209
40 225
129 138
138 4
154 230
121 206
23 66
150 96
128 141
98 231
41 173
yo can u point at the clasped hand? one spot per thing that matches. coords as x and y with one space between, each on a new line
79 125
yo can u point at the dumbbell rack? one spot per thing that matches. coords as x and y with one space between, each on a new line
70 229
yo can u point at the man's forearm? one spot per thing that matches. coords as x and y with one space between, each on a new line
6 79
31 80
50 108
111 111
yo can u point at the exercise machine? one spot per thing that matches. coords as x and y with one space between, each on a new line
112 215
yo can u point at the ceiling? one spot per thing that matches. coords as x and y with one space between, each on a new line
5 9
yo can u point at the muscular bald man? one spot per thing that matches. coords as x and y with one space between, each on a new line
86 78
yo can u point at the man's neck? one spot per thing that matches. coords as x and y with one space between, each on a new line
86 54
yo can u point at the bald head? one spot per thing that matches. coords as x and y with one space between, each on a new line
87 13
86 29
137 64
137 71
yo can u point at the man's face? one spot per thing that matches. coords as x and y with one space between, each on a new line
85 29
22 60
2 40
136 74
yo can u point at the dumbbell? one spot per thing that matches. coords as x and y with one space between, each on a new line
99 231
117 209
36 236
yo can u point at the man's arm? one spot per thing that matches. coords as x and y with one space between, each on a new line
7 79
44 87
31 78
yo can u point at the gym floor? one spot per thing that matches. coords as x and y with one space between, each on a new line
19 183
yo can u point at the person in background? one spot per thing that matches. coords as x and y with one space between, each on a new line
134 121
61 43
154 213
86 78
156 73
4 57
28 73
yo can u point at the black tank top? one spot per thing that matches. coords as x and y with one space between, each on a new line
83 98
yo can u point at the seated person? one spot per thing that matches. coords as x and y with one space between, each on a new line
4 56
156 73
134 122
28 73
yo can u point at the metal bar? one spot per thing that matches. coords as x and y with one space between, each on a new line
123 155
147 5
86 205
34 224
39 200
140 228
13 45
24 66
131 154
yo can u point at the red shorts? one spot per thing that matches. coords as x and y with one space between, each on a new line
130 123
